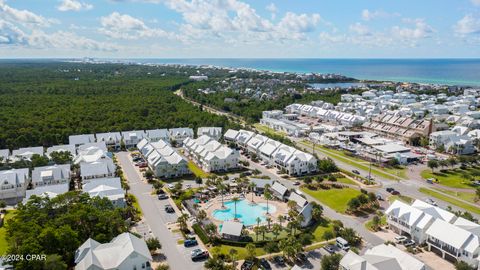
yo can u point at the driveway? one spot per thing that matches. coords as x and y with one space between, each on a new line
155 216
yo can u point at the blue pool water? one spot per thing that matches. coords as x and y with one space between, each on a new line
247 213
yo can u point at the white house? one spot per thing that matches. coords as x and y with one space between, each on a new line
70 148
81 139
210 154
101 168
212 132
280 191
243 137
110 188
163 160
51 191
124 252
133 137
381 257
4 155
254 144
293 161
155 135
112 140
13 184
26 153
178 135
268 149
51 175
230 135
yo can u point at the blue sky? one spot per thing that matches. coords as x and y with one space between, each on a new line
240 28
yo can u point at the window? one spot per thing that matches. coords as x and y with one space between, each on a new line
143 265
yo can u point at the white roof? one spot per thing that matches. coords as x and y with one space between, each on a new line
281 189
391 148
14 176
389 257
232 228
57 172
110 188
434 211
51 191
93 255
81 139
4 153
100 167
157 134
231 134
111 137
269 147
62 148
28 152
94 145
452 235
297 199
405 212
467 225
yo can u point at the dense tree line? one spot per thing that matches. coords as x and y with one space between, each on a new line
42 104
57 227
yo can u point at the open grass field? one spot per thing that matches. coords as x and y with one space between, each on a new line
402 198
470 197
267 130
197 171
458 203
346 180
320 230
456 178
336 199
241 251
3 232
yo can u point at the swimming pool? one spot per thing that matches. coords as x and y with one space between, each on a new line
247 213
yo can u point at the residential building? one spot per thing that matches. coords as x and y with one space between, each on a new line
81 139
132 138
210 155
231 135
50 191
381 257
112 140
4 155
101 168
13 184
26 153
155 135
110 188
254 144
178 135
163 160
268 149
70 148
212 132
51 175
124 252
279 191
260 184
452 142
293 161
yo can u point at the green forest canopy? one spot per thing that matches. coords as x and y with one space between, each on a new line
44 103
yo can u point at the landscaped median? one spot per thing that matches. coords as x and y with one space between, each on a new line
458 203
357 163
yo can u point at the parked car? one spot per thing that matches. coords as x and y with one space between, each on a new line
264 264
389 189
142 165
330 248
198 255
296 183
190 243
356 172
301 258
400 239
379 196
395 192
136 158
162 196
409 243
279 260
430 201
170 186
169 209
247 265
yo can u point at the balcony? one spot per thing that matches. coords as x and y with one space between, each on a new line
450 250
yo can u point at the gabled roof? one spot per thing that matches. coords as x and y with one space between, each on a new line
110 188
58 172
231 134
405 212
62 148
233 228
51 191
157 134
110 137
434 211
81 139
279 188
451 234
100 167
14 176
299 200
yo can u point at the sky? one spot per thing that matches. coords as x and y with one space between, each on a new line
240 28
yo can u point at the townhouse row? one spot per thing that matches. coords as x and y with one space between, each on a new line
273 153
454 238
162 159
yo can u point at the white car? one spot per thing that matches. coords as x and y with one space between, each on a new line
432 202
170 186
400 239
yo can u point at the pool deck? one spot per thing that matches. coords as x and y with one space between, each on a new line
216 204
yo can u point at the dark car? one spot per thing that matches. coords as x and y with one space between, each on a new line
190 243
279 260
198 255
356 172
247 265
330 249
296 183
395 192
389 189
169 209
301 258
264 264
162 196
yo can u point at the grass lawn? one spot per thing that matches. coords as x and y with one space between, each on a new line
197 171
268 130
136 204
402 198
369 224
452 178
458 203
356 162
241 251
3 232
320 230
346 180
269 236
336 199
470 197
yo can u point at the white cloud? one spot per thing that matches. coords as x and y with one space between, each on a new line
273 10
299 23
368 15
475 2
24 17
360 29
73 5
420 30
467 25
124 26
10 34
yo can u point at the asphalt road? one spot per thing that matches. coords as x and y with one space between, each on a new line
155 216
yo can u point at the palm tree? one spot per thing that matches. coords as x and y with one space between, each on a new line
267 196
233 254
276 229
182 222
269 220
258 220
281 219
263 230
221 188
252 187
201 215
234 200
257 231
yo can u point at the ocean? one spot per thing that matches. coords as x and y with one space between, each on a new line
435 71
